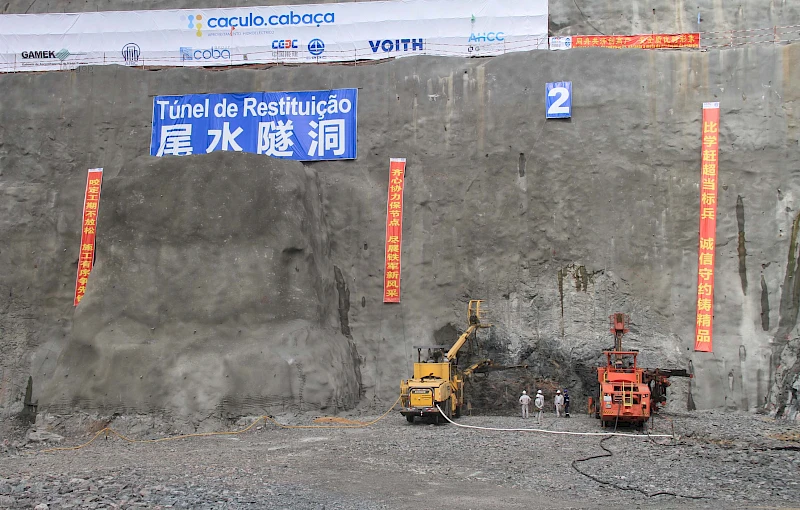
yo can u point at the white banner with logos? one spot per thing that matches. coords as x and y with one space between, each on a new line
561 43
257 35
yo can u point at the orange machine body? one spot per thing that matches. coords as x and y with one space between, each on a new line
624 395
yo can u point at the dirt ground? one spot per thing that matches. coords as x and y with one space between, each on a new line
718 460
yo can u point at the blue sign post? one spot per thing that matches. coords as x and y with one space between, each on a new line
304 126
558 100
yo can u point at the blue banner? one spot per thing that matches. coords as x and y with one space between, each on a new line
304 126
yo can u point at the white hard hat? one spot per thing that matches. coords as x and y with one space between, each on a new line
539 392
559 391
524 392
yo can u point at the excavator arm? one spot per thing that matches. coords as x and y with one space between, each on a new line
486 366
477 367
451 354
474 316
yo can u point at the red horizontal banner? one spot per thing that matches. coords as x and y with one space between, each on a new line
647 41
394 230
91 206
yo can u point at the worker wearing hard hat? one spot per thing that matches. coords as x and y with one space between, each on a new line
559 403
539 403
525 401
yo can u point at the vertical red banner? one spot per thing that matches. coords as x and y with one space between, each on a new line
394 230
704 320
91 205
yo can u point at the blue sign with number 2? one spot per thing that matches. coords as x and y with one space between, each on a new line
559 100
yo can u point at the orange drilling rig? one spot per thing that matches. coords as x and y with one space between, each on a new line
629 394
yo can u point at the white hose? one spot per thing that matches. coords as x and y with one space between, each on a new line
619 434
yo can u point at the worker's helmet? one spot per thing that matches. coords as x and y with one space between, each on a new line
539 392
524 392
559 391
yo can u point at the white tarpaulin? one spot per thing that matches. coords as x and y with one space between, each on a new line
247 35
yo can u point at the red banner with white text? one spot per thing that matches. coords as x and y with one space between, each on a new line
91 205
394 230
643 41
704 320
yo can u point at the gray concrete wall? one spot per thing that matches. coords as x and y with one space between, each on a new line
557 224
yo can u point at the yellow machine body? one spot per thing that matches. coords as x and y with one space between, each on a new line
433 384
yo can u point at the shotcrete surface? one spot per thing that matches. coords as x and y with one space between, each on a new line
216 295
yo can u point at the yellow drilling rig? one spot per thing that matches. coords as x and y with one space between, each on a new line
436 380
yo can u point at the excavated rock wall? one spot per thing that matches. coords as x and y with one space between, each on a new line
254 284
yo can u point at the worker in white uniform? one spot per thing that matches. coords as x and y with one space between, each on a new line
539 403
525 401
559 403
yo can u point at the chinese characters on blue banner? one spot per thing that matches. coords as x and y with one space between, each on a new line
304 126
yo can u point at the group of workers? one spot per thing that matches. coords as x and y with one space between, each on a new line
561 403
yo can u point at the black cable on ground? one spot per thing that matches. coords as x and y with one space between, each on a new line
652 427
609 453
673 445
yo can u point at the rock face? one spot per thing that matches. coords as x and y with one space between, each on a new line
236 291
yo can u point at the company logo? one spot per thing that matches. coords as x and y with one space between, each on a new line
196 23
561 43
284 44
388 45
487 37
39 54
51 58
61 55
212 53
252 20
316 47
131 53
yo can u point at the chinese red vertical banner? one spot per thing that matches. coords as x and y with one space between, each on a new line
394 230
704 320
91 205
